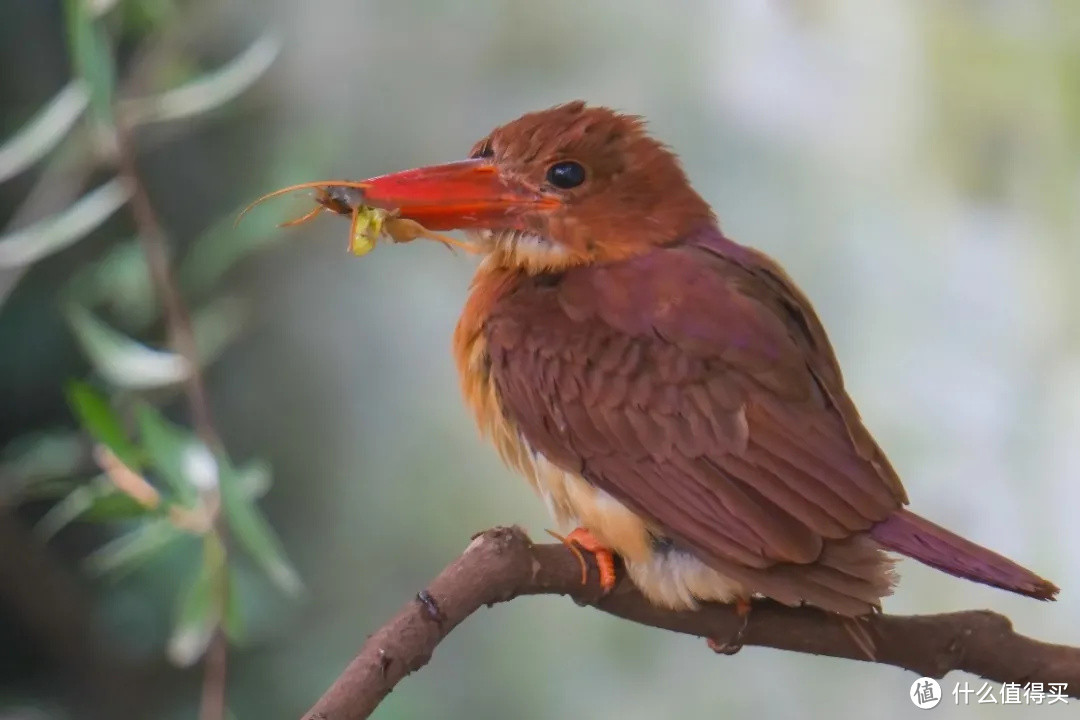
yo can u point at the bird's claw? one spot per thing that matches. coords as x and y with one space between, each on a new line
581 539
735 643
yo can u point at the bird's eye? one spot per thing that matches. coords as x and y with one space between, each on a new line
566 174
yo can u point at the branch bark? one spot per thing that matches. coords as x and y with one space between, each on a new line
502 564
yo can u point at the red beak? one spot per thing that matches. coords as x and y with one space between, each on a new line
455 196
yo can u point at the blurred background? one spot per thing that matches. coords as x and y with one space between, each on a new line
915 166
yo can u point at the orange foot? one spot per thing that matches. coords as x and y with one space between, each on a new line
581 539
733 644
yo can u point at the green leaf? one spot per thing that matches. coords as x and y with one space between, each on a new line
127 552
120 281
167 446
254 479
41 456
196 618
42 489
121 360
144 18
44 131
32 243
91 56
114 504
97 501
64 513
251 529
97 417
207 92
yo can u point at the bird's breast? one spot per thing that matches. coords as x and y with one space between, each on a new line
571 499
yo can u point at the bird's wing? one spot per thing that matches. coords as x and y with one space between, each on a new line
695 385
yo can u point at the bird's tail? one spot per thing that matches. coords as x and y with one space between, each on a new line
918 538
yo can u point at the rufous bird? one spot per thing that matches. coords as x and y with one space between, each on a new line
666 390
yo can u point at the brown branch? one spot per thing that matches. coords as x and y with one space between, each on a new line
502 564
155 247
212 703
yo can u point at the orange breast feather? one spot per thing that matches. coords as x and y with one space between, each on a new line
571 500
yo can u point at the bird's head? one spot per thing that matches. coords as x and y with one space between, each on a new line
567 186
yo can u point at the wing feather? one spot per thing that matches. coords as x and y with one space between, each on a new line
695 385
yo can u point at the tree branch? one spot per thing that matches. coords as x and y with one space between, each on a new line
502 564
182 339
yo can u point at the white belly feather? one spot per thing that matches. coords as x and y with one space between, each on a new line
671 578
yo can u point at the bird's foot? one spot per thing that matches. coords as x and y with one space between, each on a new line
581 539
735 643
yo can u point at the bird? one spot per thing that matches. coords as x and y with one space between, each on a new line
669 393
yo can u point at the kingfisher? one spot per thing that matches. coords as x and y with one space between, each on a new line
670 393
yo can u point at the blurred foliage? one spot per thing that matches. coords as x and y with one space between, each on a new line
162 487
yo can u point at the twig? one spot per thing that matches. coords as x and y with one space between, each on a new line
212 703
61 183
177 318
502 564
182 339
